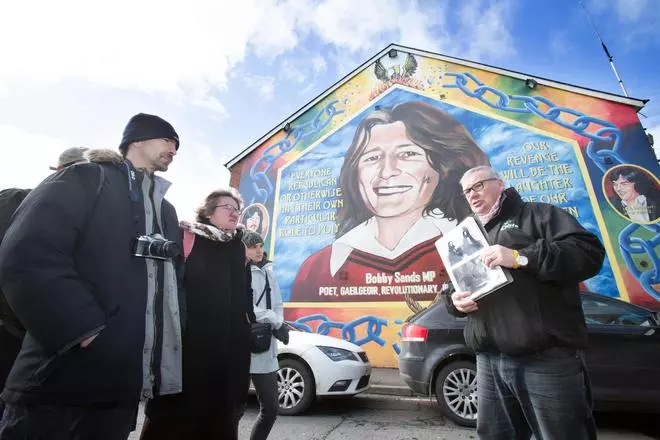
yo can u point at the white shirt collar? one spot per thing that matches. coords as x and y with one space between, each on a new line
363 238
637 210
640 200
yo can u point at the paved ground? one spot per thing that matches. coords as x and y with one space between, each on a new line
380 417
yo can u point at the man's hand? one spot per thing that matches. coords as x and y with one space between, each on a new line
88 341
463 303
498 256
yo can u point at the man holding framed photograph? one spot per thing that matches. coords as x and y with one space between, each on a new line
529 334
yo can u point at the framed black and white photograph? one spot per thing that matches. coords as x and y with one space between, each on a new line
460 250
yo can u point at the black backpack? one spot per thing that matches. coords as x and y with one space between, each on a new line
10 200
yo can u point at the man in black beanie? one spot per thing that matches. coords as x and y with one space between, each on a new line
101 309
152 141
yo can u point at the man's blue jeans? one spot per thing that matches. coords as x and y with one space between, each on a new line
546 394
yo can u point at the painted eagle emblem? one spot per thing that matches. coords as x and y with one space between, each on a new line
406 70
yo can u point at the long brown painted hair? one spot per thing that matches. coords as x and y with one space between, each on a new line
449 147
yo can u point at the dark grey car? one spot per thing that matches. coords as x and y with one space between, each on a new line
623 358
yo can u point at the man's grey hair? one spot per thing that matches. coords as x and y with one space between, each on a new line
488 172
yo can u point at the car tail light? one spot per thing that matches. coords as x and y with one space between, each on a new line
414 333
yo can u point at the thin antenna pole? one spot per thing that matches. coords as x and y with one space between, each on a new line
607 52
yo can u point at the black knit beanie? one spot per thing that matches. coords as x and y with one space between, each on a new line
143 127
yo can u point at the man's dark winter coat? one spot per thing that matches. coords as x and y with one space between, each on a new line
68 272
541 308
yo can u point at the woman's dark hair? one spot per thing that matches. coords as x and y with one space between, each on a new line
643 185
251 239
249 212
449 147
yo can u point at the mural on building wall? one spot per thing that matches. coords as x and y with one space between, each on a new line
352 200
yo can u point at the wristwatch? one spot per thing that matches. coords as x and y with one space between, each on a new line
519 260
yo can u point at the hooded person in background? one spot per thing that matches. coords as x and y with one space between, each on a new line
102 315
70 156
11 330
268 308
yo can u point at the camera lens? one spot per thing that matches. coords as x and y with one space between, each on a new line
171 249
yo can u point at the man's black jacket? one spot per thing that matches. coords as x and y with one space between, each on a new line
541 308
67 269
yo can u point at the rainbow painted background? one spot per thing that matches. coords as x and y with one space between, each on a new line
434 78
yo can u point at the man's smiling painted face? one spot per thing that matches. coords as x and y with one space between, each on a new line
394 173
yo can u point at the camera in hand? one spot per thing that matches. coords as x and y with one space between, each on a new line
155 246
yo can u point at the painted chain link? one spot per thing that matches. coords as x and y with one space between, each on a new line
261 183
603 150
373 327
634 245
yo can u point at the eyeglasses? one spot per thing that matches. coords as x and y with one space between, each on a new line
477 187
229 208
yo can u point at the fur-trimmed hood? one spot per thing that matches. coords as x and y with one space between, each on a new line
103 155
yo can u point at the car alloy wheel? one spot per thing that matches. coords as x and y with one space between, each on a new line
295 387
456 392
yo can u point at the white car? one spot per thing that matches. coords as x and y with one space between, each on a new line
314 365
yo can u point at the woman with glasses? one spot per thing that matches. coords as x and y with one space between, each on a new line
216 339
400 181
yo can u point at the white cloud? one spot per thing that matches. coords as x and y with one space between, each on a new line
294 71
319 64
373 23
485 27
168 47
213 104
626 10
194 173
636 20
631 10
558 43
186 50
598 6
345 61
263 85
27 156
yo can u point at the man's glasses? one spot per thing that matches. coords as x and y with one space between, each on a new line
477 187
229 208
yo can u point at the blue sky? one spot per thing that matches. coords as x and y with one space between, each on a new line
72 72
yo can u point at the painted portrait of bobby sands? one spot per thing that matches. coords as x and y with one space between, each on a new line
255 218
400 180
636 194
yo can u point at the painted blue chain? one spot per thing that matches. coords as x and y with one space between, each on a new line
261 183
374 327
606 135
635 245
